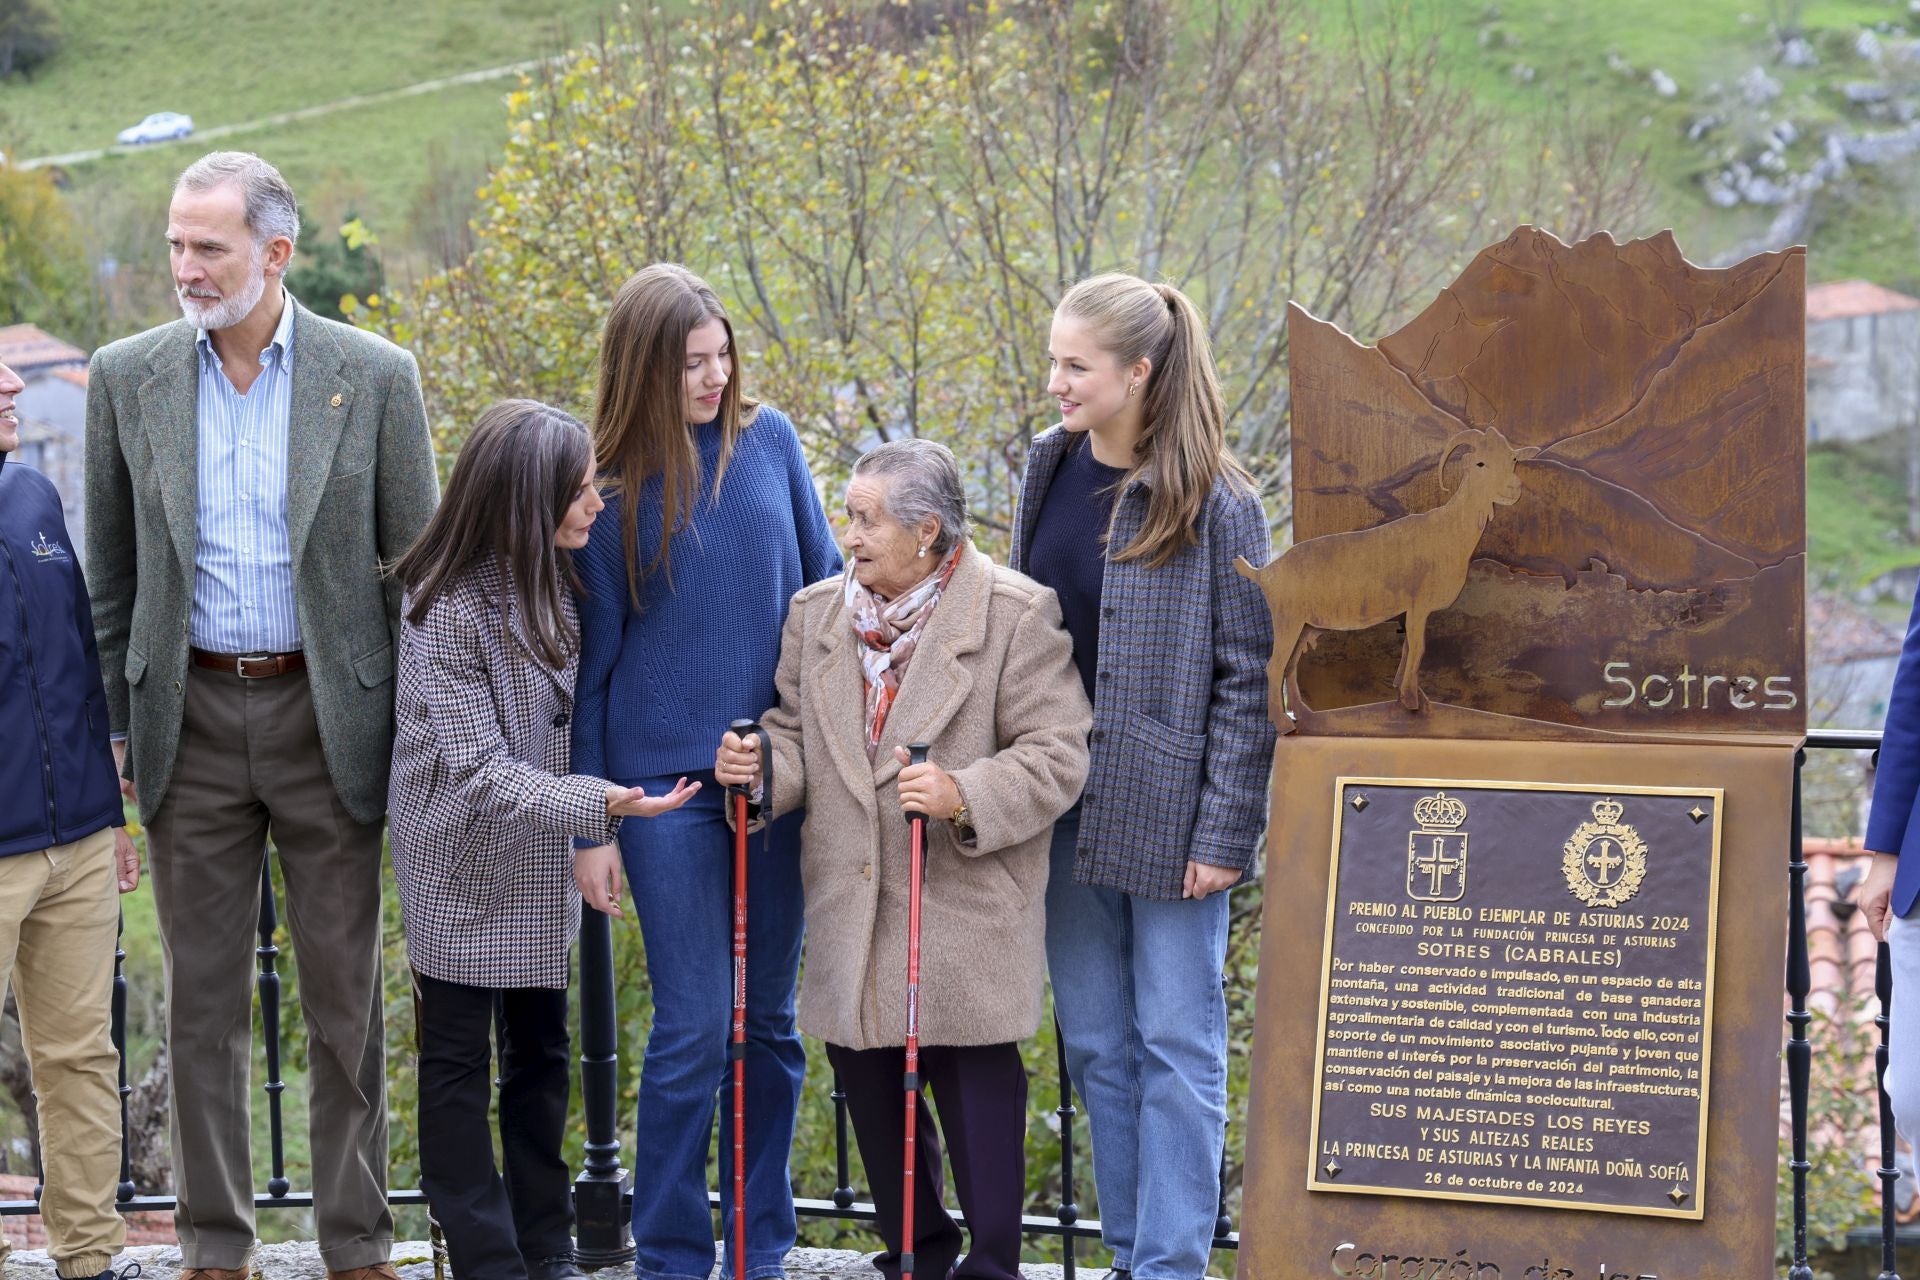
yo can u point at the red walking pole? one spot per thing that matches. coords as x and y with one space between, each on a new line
916 877
737 1049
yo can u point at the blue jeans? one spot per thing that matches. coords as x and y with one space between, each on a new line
1136 986
679 867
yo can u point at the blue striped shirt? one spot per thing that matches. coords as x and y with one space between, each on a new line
243 560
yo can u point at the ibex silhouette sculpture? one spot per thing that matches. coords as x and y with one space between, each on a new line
1413 566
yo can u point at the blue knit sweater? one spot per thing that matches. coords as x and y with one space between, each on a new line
658 686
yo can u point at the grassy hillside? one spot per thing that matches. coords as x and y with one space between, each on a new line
1857 513
231 62
1536 60
1526 60
224 61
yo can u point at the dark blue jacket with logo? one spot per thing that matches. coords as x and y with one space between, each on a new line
57 781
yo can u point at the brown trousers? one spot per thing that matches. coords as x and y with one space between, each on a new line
250 767
59 911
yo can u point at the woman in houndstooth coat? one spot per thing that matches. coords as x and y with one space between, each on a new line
483 812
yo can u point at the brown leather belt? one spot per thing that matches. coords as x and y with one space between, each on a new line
250 666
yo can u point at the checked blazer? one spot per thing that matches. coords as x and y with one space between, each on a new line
481 808
1181 744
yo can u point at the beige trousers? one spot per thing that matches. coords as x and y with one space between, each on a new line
59 913
249 767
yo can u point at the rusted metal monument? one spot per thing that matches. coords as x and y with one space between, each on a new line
1540 674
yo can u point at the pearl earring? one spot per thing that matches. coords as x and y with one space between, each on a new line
922 551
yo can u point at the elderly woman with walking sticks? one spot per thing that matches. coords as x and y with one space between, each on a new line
924 641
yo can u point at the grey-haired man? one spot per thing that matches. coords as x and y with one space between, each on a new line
248 468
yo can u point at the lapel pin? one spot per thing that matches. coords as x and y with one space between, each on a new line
335 402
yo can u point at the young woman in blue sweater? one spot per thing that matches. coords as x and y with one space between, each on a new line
1133 510
712 524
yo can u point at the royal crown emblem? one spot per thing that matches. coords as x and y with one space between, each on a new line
1604 860
1440 810
1437 852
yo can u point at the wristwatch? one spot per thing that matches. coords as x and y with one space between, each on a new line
962 821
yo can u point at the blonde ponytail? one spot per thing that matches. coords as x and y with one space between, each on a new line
1184 439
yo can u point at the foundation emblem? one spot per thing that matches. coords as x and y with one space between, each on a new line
1605 860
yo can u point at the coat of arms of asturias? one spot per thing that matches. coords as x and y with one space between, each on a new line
1605 860
1437 852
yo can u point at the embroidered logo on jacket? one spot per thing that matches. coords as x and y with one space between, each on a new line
47 550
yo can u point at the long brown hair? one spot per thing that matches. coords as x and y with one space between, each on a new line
1184 441
517 474
639 416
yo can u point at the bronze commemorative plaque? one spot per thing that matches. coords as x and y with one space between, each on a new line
1517 994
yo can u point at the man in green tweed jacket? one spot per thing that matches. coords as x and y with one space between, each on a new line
248 469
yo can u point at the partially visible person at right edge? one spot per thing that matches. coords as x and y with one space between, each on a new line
1893 881
1133 510
712 525
63 851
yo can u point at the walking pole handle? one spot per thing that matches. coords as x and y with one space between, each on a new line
751 728
744 729
917 754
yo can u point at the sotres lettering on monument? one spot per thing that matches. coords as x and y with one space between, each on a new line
1658 691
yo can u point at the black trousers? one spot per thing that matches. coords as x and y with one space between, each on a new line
494 1228
981 1094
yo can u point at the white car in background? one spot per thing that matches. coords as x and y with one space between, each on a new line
158 127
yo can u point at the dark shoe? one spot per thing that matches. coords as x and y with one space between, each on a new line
559 1267
129 1272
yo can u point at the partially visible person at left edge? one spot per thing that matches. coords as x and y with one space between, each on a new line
249 468
63 849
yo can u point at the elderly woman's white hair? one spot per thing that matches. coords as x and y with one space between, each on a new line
924 481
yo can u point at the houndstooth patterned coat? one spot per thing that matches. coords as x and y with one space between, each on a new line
481 808
1181 744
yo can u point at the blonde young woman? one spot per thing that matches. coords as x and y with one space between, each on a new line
1133 511
712 524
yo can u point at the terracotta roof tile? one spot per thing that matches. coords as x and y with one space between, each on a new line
27 1231
1839 629
1843 298
1841 955
25 348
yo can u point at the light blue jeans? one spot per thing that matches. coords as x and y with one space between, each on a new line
1136 986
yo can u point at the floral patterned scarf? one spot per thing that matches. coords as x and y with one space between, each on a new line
889 631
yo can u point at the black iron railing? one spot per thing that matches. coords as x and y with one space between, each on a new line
602 1193
1799 1052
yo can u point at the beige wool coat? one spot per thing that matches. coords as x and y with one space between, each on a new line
992 688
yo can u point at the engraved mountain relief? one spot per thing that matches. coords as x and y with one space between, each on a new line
1648 573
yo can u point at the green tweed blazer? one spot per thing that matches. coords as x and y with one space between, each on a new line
360 486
